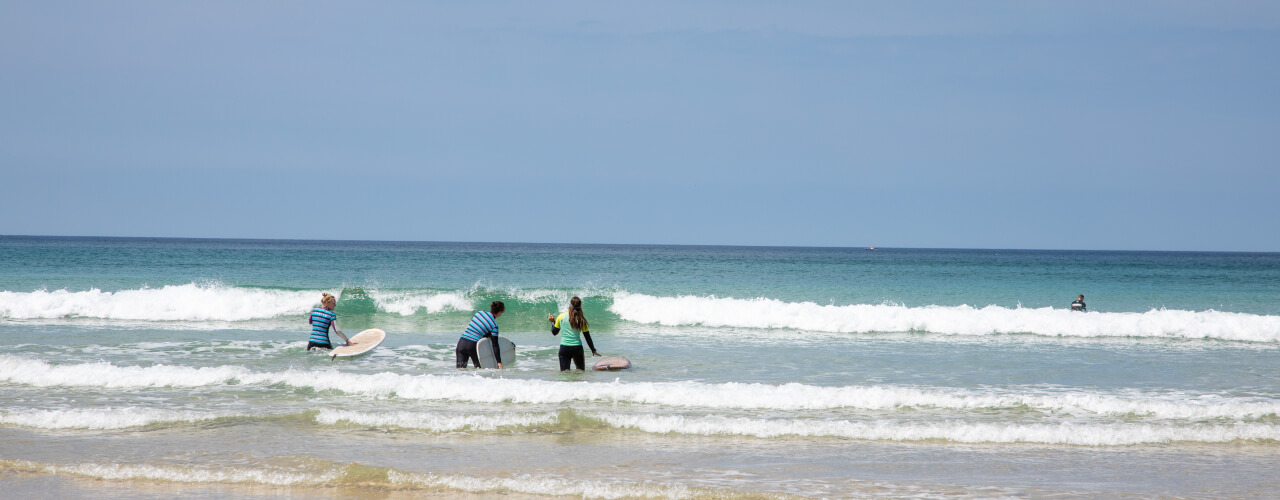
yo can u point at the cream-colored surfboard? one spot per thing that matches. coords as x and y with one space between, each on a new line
362 343
612 363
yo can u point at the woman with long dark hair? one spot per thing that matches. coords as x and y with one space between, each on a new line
572 327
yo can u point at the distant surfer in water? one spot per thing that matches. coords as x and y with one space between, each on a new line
483 324
1078 305
323 318
572 329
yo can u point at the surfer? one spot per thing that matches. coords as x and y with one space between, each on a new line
483 324
1078 305
570 343
322 318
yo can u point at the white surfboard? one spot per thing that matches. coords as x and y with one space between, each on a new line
485 352
612 363
362 343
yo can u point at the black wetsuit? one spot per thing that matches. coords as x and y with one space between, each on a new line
1078 305
483 325
574 353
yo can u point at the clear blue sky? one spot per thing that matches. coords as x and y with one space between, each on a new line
1014 124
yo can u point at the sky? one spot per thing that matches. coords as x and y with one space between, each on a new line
1137 125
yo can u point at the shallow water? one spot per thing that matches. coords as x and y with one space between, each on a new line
140 368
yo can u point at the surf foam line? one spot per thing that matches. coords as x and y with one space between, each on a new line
731 395
435 422
544 485
1064 433
768 313
105 418
191 474
338 476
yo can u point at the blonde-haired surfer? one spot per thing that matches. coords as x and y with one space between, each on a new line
323 318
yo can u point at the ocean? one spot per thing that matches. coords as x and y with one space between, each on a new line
159 368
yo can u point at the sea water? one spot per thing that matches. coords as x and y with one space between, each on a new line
153 368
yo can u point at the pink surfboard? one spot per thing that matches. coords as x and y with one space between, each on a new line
612 363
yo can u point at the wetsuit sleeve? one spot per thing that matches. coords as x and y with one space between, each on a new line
555 327
587 335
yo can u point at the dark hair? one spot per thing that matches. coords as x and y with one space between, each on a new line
496 307
576 319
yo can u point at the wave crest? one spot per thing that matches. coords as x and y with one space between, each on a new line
950 320
189 302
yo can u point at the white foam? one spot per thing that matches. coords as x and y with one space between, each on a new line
523 483
408 303
102 419
1081 433
190 302
435 422
102 374
194 475
768 313
732 395
544 485
1078 433
1068 433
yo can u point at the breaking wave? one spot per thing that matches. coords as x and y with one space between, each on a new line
190 302
768 313
195 303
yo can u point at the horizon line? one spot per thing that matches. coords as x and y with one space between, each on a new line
702 245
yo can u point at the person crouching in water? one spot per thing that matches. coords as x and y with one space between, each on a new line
323 318
570 343
483 324
1078 305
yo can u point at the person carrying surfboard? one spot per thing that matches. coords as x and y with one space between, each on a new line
483 324
323 318
575 329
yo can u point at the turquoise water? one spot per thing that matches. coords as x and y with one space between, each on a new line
842 372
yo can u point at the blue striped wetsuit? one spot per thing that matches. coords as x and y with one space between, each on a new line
483 324
321 320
